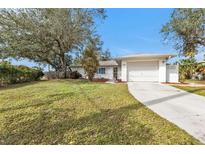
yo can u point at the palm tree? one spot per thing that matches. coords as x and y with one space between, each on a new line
187 68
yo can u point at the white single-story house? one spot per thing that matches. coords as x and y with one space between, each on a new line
137 67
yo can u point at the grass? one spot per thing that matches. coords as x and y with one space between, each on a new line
195 81
195 90
81 112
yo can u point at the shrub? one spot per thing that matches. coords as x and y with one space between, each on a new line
10 74
75 75
90 60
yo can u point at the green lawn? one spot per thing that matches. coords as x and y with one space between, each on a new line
196 90
81 112
195 81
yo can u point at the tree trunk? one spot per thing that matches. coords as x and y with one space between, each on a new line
49 72
90 77
63 65
65 71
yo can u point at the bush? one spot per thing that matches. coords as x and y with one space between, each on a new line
182 77
75 75
10 74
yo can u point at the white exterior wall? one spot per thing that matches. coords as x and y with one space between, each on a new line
162 71
166 73
172 73
108 73
124 71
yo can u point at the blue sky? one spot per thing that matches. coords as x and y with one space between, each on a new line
128 31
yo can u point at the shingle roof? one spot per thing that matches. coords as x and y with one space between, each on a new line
102 63
108 63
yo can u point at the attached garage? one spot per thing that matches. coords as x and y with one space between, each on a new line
143 71
146 67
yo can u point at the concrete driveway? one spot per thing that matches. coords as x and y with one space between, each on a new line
184 109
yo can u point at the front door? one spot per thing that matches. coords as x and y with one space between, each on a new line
115 73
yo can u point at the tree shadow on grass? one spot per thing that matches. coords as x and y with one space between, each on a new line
35 103
73 81
20 85
60 126
39 102
62 95
196 89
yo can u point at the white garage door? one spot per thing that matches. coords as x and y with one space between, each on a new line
143 71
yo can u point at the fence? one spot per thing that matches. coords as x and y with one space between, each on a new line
172 73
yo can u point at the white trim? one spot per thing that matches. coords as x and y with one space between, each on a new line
162 71
136 60
145 56
124 70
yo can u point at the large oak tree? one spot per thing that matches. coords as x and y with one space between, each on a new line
47 35
186 29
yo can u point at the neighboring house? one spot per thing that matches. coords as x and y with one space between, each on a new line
137 67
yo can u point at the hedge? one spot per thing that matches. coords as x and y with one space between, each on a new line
10 74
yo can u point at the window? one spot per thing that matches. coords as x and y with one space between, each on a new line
101 71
